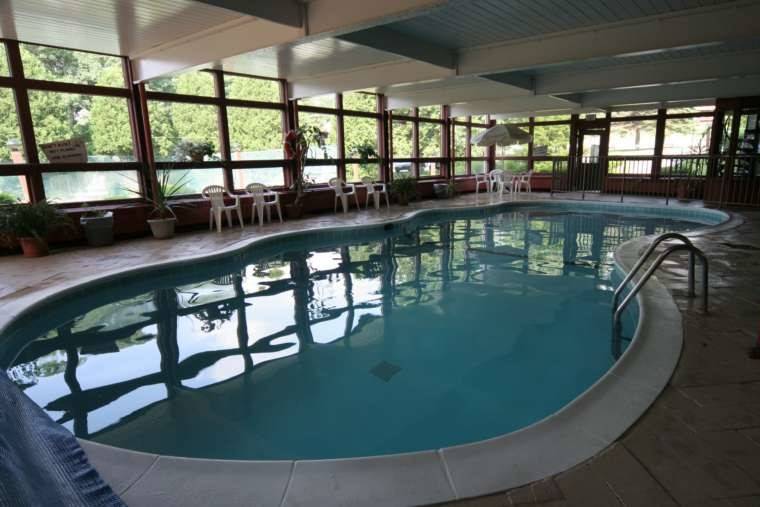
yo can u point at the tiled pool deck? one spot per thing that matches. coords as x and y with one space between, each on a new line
699 444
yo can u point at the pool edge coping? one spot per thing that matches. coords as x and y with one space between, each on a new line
573 434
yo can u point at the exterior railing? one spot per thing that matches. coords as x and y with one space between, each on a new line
717 180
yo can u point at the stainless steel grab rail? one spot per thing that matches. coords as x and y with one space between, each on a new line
694 252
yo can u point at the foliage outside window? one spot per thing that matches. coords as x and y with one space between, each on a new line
269 176
172 123
632 138
248 88
355 172
88 186
626 114
556 139
255 134
480 118
433 112
11 149
360 101
13 188
687 136
512 166
326 123
430 140
552 117
68 66
517 119
328 101
189 83
320 174
403 139
475 150
195 180
428 169
359 132
460 141
460 168
4 69
102 122
403 111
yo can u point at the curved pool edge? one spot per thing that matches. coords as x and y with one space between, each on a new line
575 433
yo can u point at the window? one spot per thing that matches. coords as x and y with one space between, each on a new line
102 122
355 172
189 83
171 123
86 186
269 176
67 66
12 189
555 139
247 88
403 139
4 69
554 117
359 132
11 148
320 173
643 112
460 141
430 140
481 119
360 101
428 169
478 166
691 110
478 151
195 179
255 134
686 136
512 150
460 168
632 138
319 101
433 112
328 125
403 111
513 166
519 119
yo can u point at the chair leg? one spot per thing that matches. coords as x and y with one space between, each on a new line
260 213
218 219
279 211
240 215
356 198
269 214
366 204
335 208
387 202
344 201
211 219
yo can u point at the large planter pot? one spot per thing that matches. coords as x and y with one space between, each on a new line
98 230
162 228
293 212
441 190
34 247
402 199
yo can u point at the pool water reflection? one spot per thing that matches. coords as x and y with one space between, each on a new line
403 340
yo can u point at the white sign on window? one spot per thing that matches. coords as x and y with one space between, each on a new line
540 151
67 151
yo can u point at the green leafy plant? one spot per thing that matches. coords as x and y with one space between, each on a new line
31 220
297 143
6 198
364 152
166 192
404 188
193 150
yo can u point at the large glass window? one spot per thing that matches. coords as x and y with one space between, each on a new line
174 125
430 112
327 124
102 122
359 132
88 186
11 148
195 180
403 139
255 134
189 83
428 169
551 140
687 136
355 172
247 88
13 189
430 139
632 138
360 101
320 174
67 66
475 150
327 100
269 176
460 141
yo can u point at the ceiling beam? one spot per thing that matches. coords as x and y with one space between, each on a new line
694 27
402 71
385 39
517 79
711 89
451 91
664 72
286 12
324 18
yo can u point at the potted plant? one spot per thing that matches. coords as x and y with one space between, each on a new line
297 143
364 152
404 189
30 223
193 150
98 227
164 221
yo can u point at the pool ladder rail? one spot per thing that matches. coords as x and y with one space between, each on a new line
686 245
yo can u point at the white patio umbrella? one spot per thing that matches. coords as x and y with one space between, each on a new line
502 135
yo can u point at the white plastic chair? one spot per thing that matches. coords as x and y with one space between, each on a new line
501 181
216 194
482 179
263 199
343 191
375 190
523 181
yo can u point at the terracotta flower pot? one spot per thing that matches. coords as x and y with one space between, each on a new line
33 247
162 228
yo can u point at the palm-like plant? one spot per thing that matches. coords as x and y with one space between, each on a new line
166 191
297 143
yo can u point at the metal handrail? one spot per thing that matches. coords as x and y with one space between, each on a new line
659 239
693 252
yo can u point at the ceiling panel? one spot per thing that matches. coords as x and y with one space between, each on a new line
125 27
468 23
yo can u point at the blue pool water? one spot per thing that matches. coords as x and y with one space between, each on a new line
442 331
